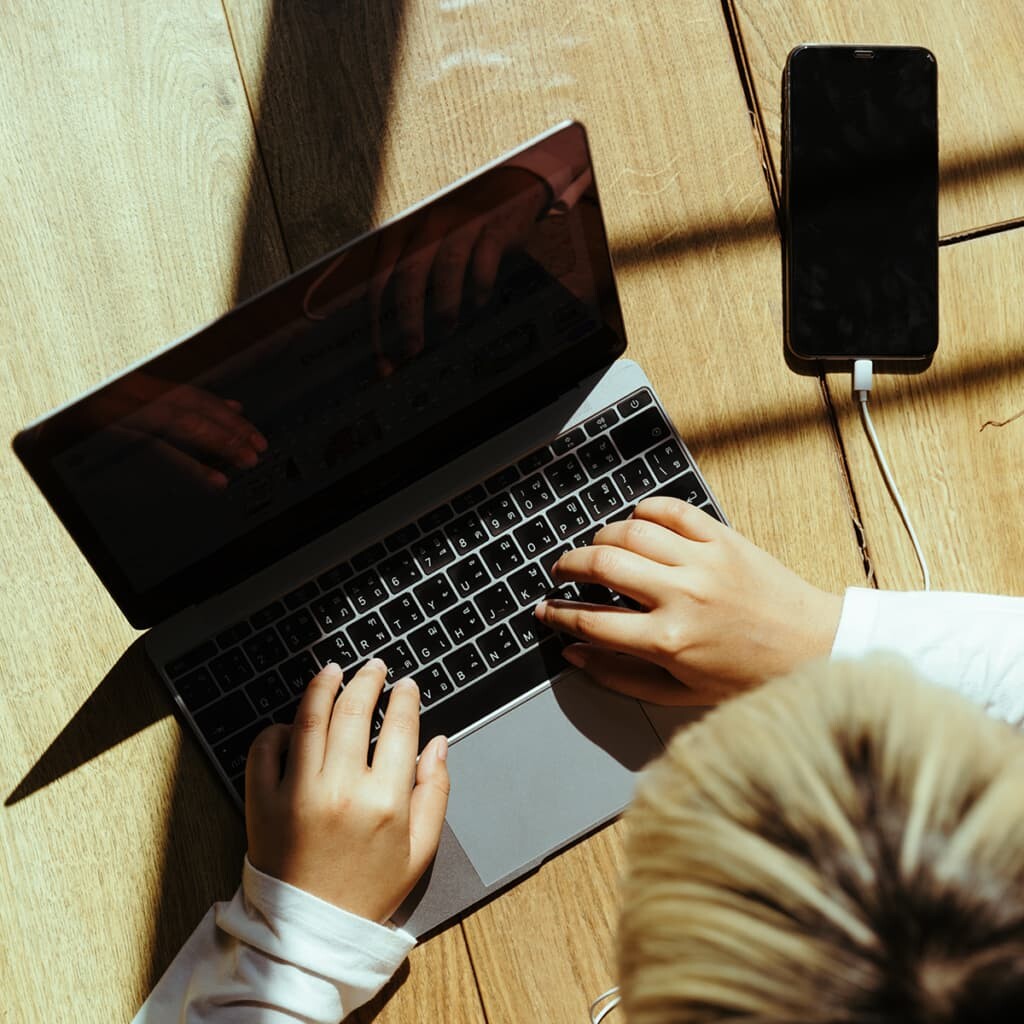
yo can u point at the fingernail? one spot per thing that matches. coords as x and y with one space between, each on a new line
376 663
573 656
442 748
333 667
541 610
407 683
259 442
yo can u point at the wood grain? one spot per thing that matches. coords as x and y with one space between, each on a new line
981 86
960 479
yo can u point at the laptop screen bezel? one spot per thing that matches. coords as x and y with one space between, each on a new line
37 445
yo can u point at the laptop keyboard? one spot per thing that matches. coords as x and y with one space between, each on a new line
448 599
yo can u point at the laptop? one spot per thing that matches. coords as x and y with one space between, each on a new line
383 455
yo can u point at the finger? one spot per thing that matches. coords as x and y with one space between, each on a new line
632 676
428 804
227 413
450 275
680 517
411 293
187 423
487 253
263 765
628 573
205 475
394 759
621 629
645 538
312 720
389 249
349 736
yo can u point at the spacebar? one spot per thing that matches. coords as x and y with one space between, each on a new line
493 691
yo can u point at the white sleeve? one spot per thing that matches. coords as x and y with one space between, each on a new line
275 955
973 643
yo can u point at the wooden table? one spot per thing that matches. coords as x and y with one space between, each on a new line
161 162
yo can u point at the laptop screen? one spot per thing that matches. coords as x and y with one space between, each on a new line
338 386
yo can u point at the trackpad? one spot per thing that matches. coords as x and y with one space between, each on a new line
545 773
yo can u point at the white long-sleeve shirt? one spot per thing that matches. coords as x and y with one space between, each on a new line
277 955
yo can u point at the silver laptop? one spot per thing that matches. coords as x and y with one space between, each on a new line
384 455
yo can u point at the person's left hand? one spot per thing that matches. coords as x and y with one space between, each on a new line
356 836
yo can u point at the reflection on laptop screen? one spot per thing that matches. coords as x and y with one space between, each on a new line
339 386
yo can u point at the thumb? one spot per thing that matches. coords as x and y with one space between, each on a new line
631 676
428 803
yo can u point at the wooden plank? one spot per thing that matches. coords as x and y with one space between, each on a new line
960 478
135 208
981 86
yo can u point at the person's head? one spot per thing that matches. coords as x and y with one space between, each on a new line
844 845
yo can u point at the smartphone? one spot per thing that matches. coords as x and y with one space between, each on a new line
860 203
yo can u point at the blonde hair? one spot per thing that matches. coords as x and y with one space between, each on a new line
845 844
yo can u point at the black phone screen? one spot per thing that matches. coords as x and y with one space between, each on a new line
861 202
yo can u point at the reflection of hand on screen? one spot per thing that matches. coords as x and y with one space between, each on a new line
430 264
197 431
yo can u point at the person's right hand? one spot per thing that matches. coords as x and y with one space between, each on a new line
356 836
719 614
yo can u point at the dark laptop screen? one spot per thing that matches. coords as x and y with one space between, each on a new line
344 383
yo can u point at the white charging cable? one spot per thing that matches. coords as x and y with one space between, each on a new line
613 997
862 379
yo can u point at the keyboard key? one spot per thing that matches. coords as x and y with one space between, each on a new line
435 595
231 669
286 713
688 488
566 476
601 499
462 623
432 553
464 666
569 518
465 501
529 463
435 684
377 718
197 689
267 692
399 659
430 642
368 635
502 556
435 518
533 495
301 595
599 456
535 537
565 443
469 575
368 556
399 572
498 646
501 686
191 659
640 433
601 422
400 538
668 460
500 481
334 576
634 403
528 585
335 648
232 753
500 514
226 716
299 630
265 650
634 480
528 629
401 614
366 592
466 534
232 635
265 616
332 610
495 603
298 672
